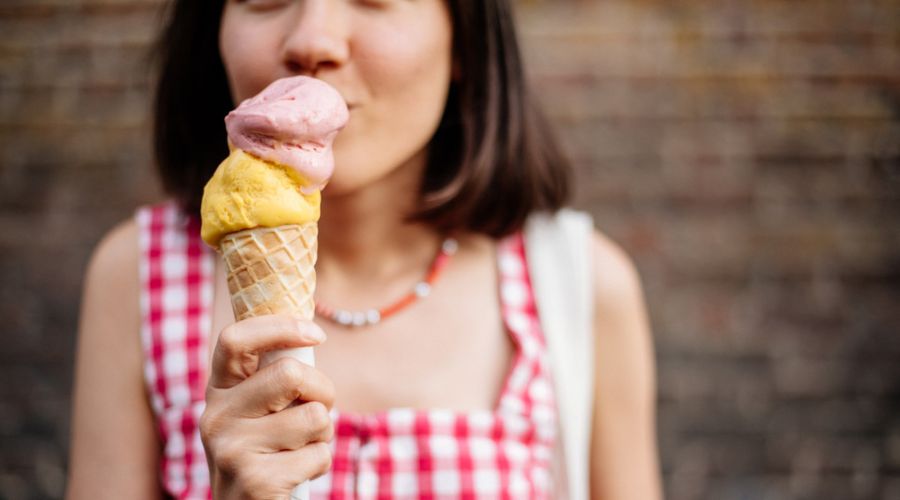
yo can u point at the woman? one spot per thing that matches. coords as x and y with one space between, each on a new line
451 397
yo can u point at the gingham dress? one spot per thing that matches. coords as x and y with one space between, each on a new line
399 453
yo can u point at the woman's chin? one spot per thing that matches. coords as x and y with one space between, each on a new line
340 188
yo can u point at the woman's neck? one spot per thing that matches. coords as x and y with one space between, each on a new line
364 236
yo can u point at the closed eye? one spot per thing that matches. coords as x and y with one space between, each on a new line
264 5
376 4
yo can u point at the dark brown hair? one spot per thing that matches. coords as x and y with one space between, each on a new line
492 161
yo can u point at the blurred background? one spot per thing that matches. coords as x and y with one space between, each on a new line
746 153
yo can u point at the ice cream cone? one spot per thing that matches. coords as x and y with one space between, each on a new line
272 270
261 206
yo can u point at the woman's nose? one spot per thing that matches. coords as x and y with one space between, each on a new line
318 37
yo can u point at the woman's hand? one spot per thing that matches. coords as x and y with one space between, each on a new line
265 430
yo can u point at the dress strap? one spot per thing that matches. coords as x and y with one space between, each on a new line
528 387
176 275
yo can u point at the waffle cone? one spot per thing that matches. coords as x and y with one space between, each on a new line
271 270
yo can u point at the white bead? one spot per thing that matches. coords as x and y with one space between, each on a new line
422 289
373 316
343 317
359 319
450 246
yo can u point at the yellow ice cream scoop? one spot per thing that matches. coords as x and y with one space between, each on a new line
246 192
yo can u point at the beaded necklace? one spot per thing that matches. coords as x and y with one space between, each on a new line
422 289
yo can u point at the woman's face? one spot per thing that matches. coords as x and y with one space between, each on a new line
390 59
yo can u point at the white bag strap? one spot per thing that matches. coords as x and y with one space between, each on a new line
558 249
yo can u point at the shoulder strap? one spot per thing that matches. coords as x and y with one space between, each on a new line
558 247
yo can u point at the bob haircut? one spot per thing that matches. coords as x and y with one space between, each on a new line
492 161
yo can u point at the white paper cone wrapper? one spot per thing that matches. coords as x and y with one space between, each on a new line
303 355
301 492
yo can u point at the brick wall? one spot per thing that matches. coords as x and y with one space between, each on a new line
73 161
747 154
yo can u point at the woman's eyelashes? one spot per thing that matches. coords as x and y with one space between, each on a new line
267 4
264 5
376 4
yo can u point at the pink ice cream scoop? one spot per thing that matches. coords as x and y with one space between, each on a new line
292 122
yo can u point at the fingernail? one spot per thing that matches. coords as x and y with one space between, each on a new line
311 331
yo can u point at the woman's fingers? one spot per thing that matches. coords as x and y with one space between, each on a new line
301 465
292 428
237 351
276 387
259 442
271 475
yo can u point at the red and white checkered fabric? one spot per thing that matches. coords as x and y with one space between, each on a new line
394 454
176 270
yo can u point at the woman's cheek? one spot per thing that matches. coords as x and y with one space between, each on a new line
395 58
248 59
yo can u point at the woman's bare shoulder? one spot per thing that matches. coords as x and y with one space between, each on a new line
115 259
624 455
616 279
621 326
110 308
114 446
